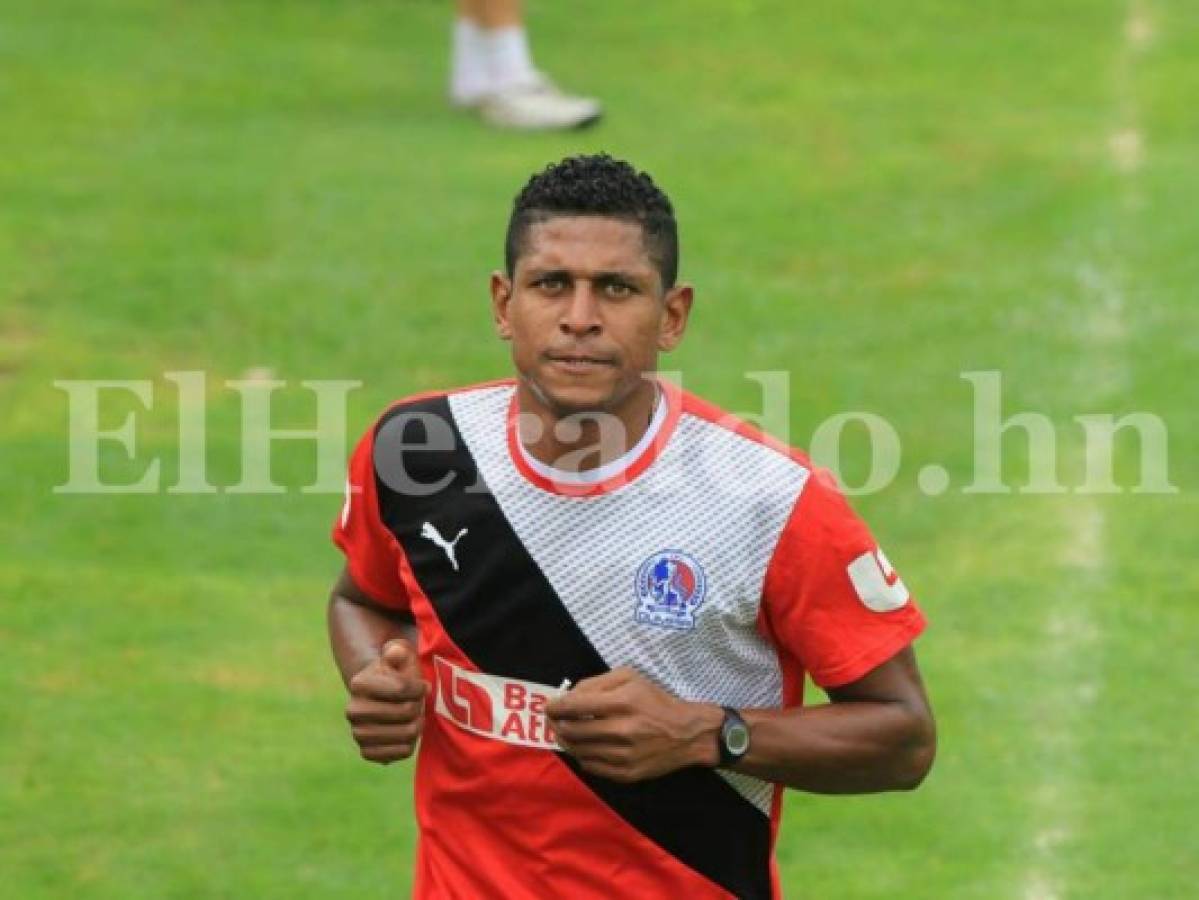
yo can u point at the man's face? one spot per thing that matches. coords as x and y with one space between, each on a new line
586 313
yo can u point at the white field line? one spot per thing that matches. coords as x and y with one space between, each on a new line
1103 371
1073 639
1127 147
1139 28
1126 143
1071 658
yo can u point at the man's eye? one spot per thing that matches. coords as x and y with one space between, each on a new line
550 284
619 289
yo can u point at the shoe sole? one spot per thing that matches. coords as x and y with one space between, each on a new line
589 122
580 125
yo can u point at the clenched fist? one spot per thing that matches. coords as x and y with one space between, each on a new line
624 727
387 704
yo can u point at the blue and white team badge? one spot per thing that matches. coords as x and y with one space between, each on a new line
670 588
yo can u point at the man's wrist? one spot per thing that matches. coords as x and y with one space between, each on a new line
704 746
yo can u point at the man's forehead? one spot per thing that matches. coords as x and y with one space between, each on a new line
591 242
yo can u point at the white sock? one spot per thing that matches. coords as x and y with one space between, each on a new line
469 77
506 55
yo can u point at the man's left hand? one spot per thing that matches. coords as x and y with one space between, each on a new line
622 726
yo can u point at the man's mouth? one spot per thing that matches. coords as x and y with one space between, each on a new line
579 359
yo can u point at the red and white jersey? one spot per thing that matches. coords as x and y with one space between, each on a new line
714 560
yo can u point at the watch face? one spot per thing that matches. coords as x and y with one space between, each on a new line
736 739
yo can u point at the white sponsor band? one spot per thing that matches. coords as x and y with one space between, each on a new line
503 709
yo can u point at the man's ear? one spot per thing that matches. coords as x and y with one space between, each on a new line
676 311
501 298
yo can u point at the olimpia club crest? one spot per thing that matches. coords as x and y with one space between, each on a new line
670 588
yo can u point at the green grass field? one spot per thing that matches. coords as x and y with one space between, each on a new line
874 197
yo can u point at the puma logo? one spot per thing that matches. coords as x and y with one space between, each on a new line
430 533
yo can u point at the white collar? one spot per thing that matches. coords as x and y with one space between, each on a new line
604 472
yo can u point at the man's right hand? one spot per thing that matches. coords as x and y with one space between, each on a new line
387 704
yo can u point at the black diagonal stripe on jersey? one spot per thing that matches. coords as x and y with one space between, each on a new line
502 612
697 817
498 607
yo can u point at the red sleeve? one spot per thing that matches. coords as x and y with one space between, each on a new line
831 598
372 553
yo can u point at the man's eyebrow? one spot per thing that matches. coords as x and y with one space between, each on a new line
608 277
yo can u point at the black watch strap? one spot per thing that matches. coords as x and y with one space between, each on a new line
733 740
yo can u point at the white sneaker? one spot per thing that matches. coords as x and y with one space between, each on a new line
538 104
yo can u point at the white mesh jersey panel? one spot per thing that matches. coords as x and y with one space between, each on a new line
721 498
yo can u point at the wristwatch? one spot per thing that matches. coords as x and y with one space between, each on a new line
733 739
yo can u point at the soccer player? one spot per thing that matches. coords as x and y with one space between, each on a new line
589 600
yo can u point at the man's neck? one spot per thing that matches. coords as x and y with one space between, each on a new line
579 441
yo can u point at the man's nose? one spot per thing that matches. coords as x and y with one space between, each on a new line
581 315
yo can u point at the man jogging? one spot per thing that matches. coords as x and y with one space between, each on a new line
588 600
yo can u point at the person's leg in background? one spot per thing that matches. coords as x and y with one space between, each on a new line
489 48
491 69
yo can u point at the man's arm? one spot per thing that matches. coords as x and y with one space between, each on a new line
876 734
359 627
376 653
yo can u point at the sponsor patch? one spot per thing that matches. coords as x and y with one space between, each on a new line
878 584
503 709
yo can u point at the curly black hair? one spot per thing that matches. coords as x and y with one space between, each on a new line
597 185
